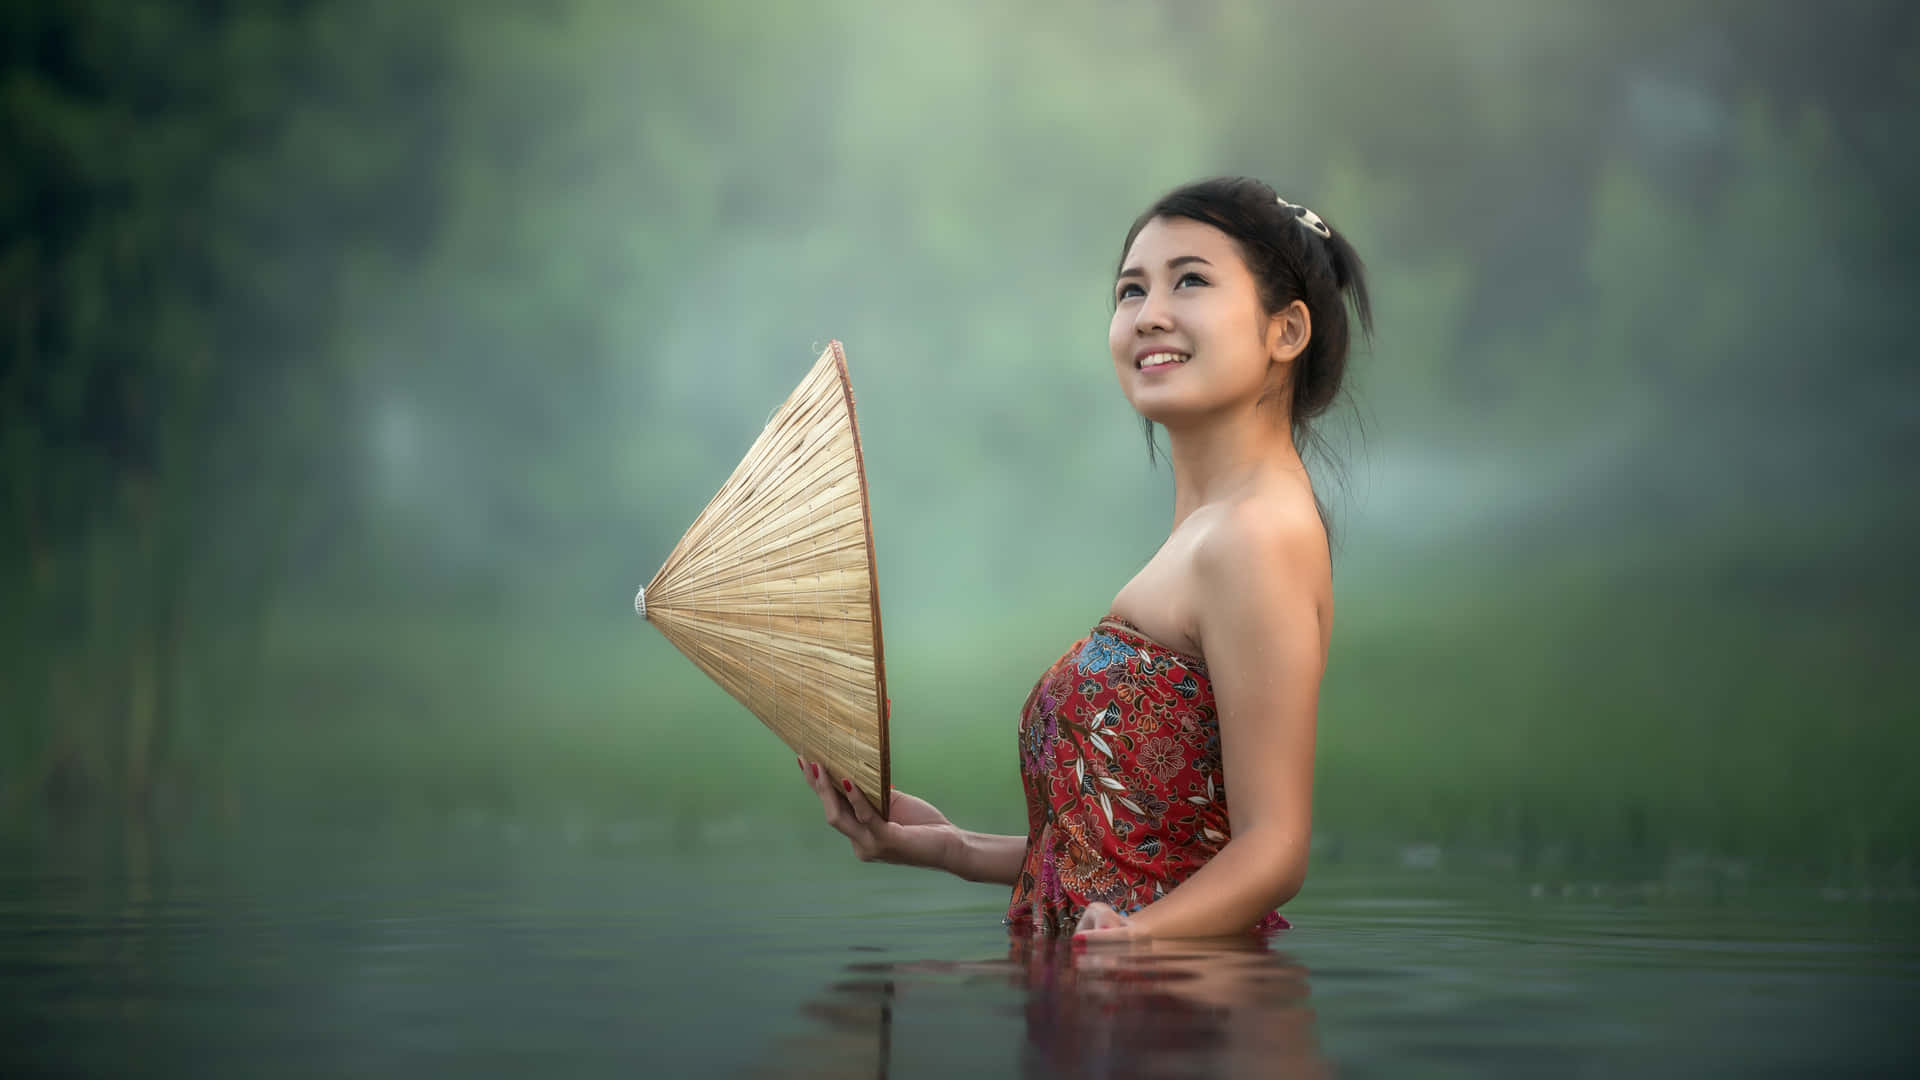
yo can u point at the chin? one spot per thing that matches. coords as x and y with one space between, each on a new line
1165 409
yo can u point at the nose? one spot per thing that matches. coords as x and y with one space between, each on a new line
1152 316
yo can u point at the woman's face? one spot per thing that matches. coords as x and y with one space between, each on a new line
1188 334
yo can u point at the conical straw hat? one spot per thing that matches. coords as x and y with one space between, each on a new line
771 591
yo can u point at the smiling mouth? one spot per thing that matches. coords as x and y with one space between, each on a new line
1161 361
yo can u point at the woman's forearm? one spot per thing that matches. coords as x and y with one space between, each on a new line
986 856
1246 879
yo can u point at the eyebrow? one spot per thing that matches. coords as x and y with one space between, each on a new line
1134 271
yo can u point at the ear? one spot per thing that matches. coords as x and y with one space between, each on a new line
1288 332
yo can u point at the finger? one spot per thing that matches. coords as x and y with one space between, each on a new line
1111 935
817 780
1098 916
857 801
830 800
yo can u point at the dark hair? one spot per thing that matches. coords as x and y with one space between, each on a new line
1290 261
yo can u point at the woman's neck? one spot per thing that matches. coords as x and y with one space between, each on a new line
1220 455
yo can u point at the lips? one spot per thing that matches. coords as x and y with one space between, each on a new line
1160 360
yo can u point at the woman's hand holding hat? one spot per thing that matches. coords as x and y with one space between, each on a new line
917 835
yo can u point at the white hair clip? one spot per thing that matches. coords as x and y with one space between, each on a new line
1308 218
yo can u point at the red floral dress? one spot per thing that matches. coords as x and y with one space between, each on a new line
1120 759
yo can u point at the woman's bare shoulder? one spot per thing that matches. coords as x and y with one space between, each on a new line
1263 569
1260 535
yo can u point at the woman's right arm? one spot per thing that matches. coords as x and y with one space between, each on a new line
988 856
917 834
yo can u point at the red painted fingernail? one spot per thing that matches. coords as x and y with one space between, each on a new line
848 784
816 772
802 764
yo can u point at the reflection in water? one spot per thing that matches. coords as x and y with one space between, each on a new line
1166 1008
1233 1008
852 1034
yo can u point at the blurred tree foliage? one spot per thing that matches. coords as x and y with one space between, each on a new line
319 303
190 193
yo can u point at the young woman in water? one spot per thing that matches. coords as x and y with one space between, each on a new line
1230 329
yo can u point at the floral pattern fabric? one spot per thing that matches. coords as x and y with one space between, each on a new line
1120 759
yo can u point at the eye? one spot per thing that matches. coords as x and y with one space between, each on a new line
1128 289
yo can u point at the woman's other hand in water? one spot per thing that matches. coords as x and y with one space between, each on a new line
1101 924
917 835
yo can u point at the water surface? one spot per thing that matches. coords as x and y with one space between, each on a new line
502 949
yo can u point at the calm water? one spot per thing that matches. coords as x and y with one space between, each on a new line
487 949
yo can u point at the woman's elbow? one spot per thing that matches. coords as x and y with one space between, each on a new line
1285 860
1287 873
1291 881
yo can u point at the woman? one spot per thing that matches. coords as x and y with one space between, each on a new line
1230 329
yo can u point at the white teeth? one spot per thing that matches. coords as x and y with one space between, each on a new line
1161 358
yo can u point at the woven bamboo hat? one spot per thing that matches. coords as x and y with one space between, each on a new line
772 593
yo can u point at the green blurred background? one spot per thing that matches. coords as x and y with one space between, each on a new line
363 357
